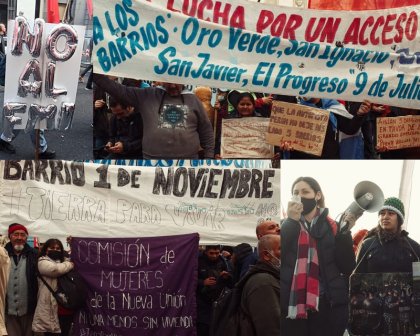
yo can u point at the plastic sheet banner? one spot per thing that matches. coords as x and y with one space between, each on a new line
382 304
302 126
61 198
42 71
371 55
398 132
245 137
137 286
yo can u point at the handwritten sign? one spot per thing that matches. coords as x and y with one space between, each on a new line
89 200
41 74
303 127
245 137
398 132
138 286
295 49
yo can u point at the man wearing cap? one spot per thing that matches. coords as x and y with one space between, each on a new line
387 248
22 289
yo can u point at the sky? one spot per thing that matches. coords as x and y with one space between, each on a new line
338 179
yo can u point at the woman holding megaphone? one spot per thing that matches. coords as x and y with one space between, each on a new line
316 261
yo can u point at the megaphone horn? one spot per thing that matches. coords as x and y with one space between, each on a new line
367 197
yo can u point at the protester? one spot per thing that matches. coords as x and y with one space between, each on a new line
3 34
175 123
241 253
339 120
50 318
317 260
387 247
4 277
22 288
125 132
213 277
264 228
358 238
261 293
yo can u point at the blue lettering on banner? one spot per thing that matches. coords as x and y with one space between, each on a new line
257 43
126 46
191 32
182 68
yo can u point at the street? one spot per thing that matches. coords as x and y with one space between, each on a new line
75 144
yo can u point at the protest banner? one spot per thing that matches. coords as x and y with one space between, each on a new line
137 286
398 132
381 304
302 126
245 138
42 72
225 163
217 43
89 200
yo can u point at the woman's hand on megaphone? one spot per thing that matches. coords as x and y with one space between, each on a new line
350 219
294 210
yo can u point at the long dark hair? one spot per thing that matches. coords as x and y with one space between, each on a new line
314 186
49 243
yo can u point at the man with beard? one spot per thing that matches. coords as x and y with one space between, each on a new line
213 277
22 289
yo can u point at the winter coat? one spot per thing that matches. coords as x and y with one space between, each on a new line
129 131
393 256
4 276
336 259
31 254
46 312
160 139
260 302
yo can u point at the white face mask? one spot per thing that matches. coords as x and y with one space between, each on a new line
18 248
276 263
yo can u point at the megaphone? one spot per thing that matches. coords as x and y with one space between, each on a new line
367 197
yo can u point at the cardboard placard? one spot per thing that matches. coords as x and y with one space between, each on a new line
398 132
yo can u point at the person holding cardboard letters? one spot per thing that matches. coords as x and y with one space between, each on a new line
316 260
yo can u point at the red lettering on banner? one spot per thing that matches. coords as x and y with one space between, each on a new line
325 29
281 25
382 30
211 11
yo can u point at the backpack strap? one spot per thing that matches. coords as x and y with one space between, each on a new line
46 284
333 225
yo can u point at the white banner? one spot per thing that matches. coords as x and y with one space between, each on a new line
263 48
60 198
45 75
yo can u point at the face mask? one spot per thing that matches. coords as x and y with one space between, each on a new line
54 255
19 248
276 262
308 205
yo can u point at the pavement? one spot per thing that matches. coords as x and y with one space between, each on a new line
75 144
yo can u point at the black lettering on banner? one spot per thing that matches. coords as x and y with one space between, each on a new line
9 166
230 182
266 192
255 183
162 182
195 179
28 166
78 173
212 182
40 167
243 187
56 168
103 174
134 175
123 177
182 171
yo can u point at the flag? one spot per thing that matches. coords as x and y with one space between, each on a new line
89 7
360 4
53 14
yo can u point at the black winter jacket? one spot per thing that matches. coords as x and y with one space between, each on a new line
394 256
335 253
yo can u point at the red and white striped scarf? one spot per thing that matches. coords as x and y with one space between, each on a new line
304 294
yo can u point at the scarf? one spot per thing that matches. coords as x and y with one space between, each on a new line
304 294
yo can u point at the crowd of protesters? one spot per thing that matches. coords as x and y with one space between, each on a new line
294 283
160 124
